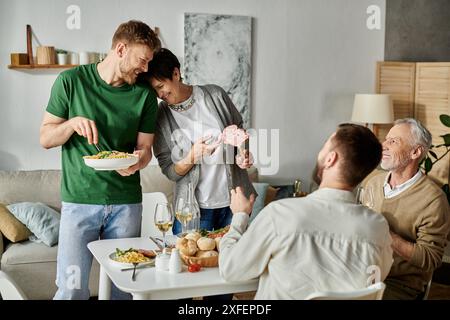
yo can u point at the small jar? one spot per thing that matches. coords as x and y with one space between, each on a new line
175 264
84 57
162 261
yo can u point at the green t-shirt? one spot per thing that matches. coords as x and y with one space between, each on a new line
119 114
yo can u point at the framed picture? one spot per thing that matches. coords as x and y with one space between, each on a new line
217 50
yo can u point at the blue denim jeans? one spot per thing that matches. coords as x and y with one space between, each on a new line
84 223
210 219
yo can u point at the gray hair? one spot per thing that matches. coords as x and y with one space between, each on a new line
420 135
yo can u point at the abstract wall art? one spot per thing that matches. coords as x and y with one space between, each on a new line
217 50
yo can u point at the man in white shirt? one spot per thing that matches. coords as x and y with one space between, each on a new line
322 242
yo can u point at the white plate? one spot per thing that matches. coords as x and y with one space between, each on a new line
111 164
112 258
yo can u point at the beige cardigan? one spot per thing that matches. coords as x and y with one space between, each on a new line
420 215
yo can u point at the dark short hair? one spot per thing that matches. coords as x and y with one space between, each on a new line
162 65
136 32
360 150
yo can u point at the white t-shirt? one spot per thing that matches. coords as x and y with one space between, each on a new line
197 122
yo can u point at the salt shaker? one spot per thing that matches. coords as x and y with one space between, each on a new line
175 261
162 261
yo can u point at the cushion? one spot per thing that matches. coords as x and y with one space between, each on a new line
12 229
42 220
271 195
261 189
28 252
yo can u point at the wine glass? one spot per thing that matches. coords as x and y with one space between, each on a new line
163 218
364 196
183 213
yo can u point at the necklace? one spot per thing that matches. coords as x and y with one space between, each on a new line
183 106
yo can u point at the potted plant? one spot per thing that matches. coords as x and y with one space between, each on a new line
432 158
61 56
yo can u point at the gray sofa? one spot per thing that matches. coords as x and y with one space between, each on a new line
33 265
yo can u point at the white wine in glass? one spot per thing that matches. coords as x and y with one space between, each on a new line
183 213
163 218
364 196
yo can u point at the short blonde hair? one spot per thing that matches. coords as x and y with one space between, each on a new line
133 32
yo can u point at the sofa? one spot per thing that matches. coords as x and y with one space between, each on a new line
33 265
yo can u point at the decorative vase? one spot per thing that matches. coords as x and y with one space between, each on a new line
74 58
45 55
62 58
84 58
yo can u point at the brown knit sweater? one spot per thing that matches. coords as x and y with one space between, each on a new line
420 215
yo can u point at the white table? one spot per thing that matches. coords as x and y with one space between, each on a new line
153 284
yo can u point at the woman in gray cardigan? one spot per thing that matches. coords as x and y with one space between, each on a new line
190 118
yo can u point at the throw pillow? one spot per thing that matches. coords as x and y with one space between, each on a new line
261 189
12 229
271 195
42 220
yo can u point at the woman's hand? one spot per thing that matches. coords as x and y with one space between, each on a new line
195 155
200 149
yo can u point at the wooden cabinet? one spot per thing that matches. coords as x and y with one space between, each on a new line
420 90
398 80
432 98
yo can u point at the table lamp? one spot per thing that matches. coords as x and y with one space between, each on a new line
373 109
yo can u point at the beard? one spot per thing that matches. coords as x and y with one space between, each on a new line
317 173
128 74
396 161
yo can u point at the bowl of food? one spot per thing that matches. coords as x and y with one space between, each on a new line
111 160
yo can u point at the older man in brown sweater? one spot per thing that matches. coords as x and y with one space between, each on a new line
415 207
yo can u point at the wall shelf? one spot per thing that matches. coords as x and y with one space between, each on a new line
42 66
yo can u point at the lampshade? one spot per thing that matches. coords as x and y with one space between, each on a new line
373 108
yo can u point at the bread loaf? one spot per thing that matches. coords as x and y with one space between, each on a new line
193 236
217 240
206 244
187 247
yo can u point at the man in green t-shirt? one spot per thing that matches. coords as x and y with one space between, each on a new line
100 104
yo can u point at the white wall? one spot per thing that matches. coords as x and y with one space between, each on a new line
309 58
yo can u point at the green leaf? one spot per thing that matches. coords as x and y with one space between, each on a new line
433 154
445 119
428 165
446 138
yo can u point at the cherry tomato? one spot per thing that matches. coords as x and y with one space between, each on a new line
195 267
